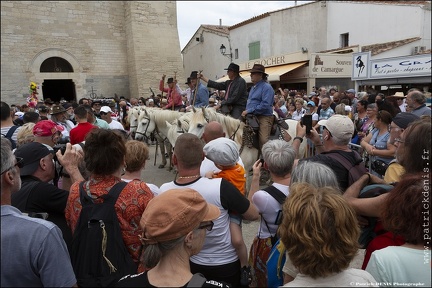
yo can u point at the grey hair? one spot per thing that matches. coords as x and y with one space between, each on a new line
7 159
361 95
340 109
418 97
154 252
279 157
372 106
314 173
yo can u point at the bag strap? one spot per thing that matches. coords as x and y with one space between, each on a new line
276 194
197 280
114 193
11 131
347 164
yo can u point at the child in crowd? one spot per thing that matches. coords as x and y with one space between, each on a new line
225 155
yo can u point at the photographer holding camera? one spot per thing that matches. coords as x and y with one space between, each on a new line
37 194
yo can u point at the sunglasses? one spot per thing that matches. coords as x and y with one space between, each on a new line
208 226
103 113
19 163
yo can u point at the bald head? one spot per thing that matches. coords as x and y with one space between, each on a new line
212 130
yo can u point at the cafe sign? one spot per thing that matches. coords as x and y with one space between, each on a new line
330 65
408 66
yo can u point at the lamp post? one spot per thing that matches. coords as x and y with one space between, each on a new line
223 50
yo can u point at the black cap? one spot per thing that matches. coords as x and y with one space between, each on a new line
31 153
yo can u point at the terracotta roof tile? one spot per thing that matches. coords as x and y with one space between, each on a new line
382 47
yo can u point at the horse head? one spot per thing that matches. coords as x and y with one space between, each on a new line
178 126
145 125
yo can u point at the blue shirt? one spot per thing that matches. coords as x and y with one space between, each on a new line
33 252
202 96
260 101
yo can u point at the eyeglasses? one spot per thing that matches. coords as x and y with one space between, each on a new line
19 163
399 140
208 226
328 131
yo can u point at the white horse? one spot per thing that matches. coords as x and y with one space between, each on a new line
233 129
155 120
178 127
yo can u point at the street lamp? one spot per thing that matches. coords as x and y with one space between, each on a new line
223 50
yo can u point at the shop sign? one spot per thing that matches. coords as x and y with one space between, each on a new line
408 66
360 68
330 65
275 60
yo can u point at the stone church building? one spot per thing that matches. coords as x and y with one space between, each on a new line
75 49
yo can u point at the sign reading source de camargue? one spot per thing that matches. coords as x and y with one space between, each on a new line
408 66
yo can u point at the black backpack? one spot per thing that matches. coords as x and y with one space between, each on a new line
9 136
354 171
98 254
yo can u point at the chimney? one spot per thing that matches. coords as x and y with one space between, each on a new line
220 22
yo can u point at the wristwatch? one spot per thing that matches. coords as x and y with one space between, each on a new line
299 138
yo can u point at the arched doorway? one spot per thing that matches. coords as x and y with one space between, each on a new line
58 89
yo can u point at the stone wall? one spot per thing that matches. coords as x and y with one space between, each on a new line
119 47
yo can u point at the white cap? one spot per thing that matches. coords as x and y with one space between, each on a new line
340 126
222 151
106 109
150 100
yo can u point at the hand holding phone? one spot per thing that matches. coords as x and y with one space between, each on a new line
307 120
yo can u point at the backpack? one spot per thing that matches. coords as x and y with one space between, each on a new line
275 263
355 171
277 257
98 253
9 135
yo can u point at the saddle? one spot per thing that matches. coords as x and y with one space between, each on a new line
250 132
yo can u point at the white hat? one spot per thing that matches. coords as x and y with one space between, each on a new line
222 151
150 100
106 109
340 126
19 114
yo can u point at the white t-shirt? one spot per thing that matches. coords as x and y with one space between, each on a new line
268 207
116 125
399 266
347 278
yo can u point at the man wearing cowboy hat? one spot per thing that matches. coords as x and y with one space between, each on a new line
200 94
174 98
236 94
260 102
58 116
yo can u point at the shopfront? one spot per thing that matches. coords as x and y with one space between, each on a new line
390 75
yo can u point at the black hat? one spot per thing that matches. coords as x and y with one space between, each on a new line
170 80
258 68
188 81
403 119
56 109
233 67
31 153
66 105
194 75
48 101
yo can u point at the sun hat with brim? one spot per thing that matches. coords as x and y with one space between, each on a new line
31 153
175 213
258 68
56 109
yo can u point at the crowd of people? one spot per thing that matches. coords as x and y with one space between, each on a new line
59 189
